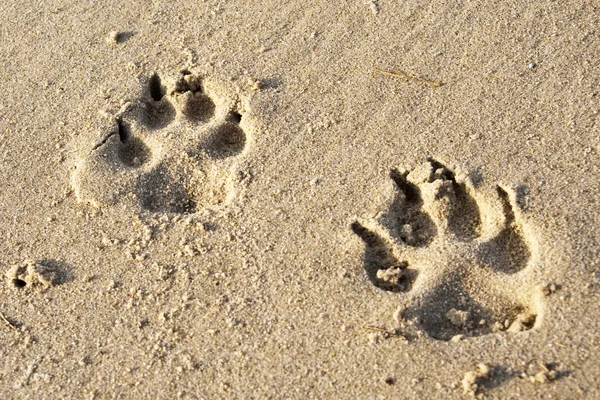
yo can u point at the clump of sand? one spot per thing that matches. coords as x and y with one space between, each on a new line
33 274
471 382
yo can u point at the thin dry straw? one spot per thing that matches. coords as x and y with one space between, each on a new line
398 74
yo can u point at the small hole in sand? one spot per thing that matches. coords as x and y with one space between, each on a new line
19 283
234 117
530 323
155 88
122 37
123 130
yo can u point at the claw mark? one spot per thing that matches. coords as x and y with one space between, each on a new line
409 189
122 130
506 206
159 112
412 225
507 252
463 216
440 171
381 266
155 87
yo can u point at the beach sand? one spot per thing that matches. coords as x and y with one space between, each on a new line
356 199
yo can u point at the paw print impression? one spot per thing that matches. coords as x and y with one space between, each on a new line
463 262
175 150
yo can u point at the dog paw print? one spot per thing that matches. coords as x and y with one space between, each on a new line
175 150
462 260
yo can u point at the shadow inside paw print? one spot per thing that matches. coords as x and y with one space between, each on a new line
160 112
456 257
411 224
173 151
159 191
508 251
464 219
132 151
382 268
449 309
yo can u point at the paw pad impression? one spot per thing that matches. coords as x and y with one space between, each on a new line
462 260
175 150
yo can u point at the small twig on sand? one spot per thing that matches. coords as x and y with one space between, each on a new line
407 78
7 322
384 331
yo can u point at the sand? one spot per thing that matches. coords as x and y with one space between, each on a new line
362 199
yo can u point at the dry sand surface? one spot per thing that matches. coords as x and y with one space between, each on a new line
299 199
